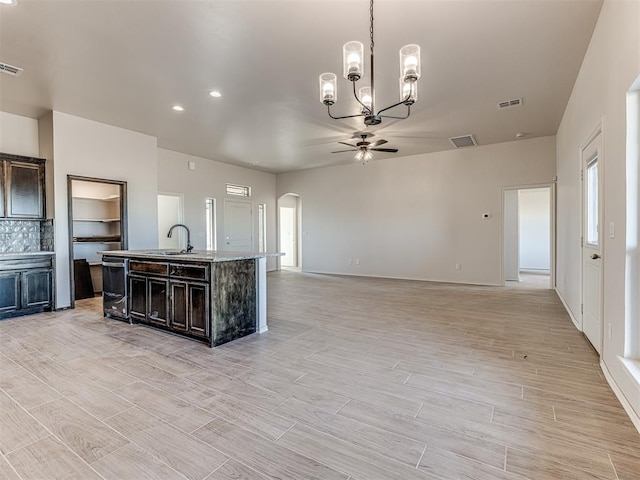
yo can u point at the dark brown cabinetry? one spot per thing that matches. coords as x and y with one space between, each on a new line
170 296
21 187
26 285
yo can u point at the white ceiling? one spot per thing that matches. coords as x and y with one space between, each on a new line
125 62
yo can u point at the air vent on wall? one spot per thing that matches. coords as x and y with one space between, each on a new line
463 141
516 102
10 69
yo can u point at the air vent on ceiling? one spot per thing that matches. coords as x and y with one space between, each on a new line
516 102
463 141
10 69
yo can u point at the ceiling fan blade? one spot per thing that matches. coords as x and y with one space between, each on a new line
378 143
390 150
342 151
348 144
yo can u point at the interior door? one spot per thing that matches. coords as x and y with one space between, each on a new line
288 236
238 225
592 242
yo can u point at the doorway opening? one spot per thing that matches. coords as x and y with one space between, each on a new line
170 212
528 237
97 212
289 231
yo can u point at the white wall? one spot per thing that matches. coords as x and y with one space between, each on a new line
169 214
209 180
91 149
610 66
416 217
18 135
535 229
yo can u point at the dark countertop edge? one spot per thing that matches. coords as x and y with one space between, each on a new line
197 256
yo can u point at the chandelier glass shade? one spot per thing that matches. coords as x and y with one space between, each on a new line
353 70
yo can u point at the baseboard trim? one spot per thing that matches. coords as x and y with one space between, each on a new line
566 307
635 419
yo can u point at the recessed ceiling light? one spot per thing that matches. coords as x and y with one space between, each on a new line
178 108
215 94
521 135
8 2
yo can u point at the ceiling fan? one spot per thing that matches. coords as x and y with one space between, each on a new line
364 148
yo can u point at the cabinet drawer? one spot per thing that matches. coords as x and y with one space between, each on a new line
149 267
193 272
26 263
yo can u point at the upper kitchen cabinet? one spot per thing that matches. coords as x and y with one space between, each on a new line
22 193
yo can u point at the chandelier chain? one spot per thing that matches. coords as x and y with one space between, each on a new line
371 24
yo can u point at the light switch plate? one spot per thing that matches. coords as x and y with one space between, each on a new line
612 230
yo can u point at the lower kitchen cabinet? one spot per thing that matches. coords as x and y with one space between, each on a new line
26 285
181 305
149 299
189 307
36 288
137 297
9 292
158 301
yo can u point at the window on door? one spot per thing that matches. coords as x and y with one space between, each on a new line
210 223
592 202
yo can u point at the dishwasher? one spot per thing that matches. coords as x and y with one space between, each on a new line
114 287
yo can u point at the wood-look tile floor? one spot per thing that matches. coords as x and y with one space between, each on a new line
357 378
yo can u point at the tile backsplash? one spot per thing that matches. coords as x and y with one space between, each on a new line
46 235
26 235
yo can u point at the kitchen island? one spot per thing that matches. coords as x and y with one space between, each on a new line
206 295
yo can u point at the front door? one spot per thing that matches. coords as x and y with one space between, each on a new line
592 242
238 225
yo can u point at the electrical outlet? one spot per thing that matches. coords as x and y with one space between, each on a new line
357 261
458 266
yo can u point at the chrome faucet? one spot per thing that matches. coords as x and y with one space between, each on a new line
189 246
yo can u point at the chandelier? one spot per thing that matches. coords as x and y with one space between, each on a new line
353 68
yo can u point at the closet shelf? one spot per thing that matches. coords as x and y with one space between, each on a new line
98 239
99 220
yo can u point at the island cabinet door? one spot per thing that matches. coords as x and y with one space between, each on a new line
199 309
179 315
9 291
158 301
138 297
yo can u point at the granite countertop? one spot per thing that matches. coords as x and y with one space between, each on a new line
195 256
11 255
